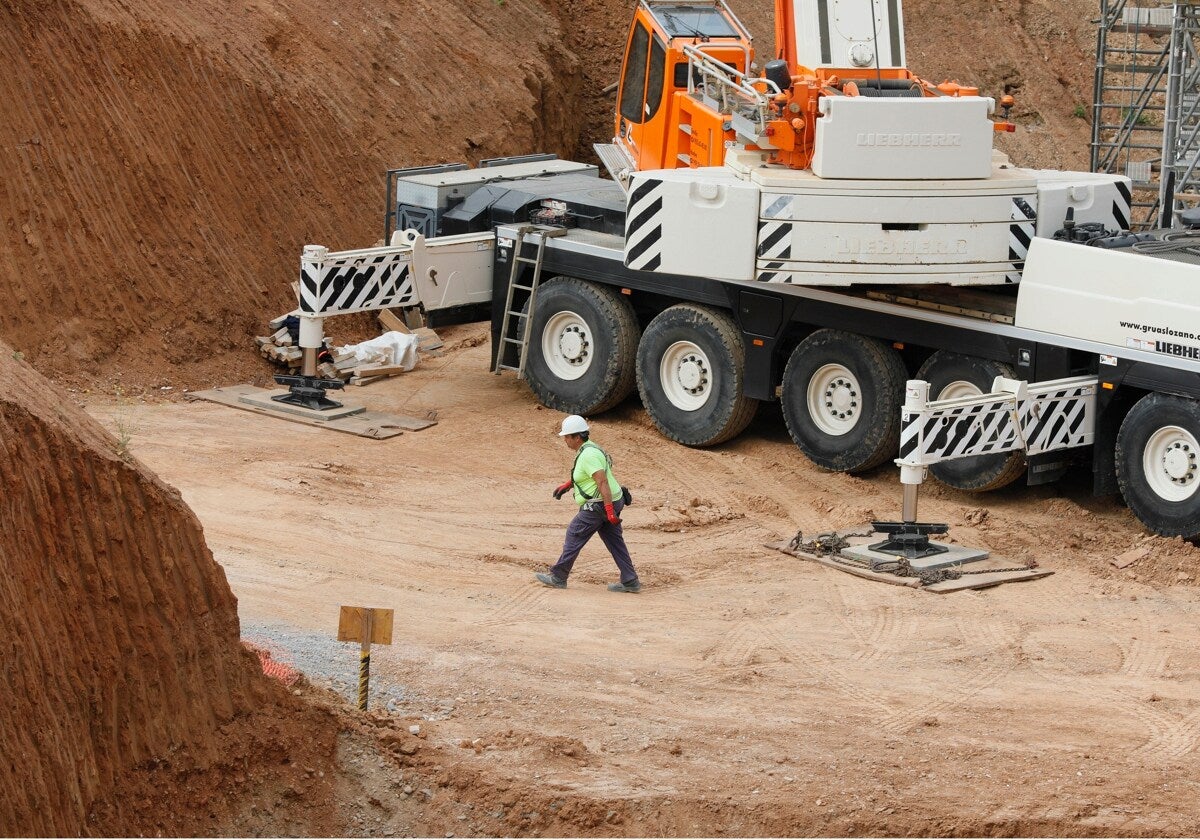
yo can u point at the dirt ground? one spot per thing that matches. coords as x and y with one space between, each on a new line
743 692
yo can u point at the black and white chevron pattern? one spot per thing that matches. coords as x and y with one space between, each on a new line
1058 419
1020 233
1054 415
1122 206
945 434
338 285
774 238
772 272
775 229
643 225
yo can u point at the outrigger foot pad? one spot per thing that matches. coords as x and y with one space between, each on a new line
909 539
308 392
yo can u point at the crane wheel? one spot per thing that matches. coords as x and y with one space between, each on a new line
691 374
954 375
841 400
582 346
1158 464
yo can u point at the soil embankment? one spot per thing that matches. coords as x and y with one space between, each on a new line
166 162
120 631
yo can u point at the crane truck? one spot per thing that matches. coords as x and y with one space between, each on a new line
820 233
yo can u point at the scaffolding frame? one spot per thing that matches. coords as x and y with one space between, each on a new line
1146 105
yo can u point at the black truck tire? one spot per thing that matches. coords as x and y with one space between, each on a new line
841 400
1158 464
691 375
582 346
955 375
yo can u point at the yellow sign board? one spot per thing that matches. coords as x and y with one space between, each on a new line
356 622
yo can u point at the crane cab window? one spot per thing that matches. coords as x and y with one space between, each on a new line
642 84
633 86
688 21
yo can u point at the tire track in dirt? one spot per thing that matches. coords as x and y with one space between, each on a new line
1165 734
889 630
1141 658
1178 735
824 671
517 606
994 640
732 657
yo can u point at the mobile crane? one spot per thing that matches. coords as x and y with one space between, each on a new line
815 234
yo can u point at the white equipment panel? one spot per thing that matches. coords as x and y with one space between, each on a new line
901 138
695 222
820 232
1124 300
843 33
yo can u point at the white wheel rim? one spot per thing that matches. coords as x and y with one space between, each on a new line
959 388
686 376
567 345
834 399
1169 462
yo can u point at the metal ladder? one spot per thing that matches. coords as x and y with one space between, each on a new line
509 327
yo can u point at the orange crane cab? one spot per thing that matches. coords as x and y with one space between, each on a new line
689 89
662 120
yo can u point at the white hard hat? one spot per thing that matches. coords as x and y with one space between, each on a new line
573 425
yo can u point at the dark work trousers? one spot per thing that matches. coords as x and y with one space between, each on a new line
586 523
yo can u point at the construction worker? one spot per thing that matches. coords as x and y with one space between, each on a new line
600 499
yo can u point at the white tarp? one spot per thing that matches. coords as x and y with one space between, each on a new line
391 348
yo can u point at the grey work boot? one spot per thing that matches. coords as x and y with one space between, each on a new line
634 586
551 581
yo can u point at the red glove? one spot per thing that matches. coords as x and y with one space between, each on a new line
611 514
560 489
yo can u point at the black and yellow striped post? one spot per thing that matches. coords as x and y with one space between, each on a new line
364 663
367 626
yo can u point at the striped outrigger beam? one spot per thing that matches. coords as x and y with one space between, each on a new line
644 224
1050 416
341 283
1020 233
1058 419
945 434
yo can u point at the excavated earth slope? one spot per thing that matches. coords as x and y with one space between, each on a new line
165 162
120 633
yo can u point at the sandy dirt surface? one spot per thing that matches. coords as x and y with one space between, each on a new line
743 691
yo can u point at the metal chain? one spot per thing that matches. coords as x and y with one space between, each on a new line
822 544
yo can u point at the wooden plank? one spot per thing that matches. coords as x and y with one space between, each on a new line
364 380
980 579
377 425
379 370
1130 557
391 322
878 577
985 580
428 339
